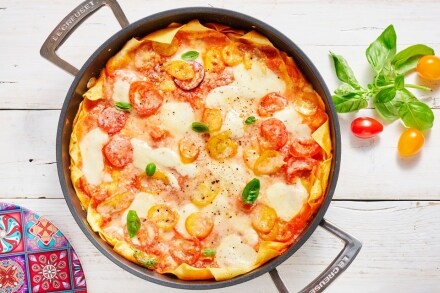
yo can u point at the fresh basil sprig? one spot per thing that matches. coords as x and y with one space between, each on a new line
208 252
123 106
133 223
388 90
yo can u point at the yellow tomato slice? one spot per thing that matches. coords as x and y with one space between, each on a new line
263 218
199 225
188 150
180 69
221 147
205 194
213 60
164 217
268 163
213 118
232 55
250 156
115 203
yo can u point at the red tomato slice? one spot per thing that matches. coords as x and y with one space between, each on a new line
303 148
112 120
185 250
199 74
274 132
298 167
144 98
366 127
270 104
118 151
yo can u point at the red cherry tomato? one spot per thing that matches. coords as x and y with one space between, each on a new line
411 142
274 132
428 67
366 127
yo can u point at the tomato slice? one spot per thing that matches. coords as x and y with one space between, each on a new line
199 74
112 120
221 147
271 103
185 250
299 167
304 147
145 99
188 150
148 233
274 132
269 162
263 218
118 151
163 216
199 225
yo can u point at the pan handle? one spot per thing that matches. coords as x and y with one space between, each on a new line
71 22
352 246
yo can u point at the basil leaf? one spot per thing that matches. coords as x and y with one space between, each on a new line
123 106
349 103
199 127
150 169
250 120
144 260
382 50
343 71
406 96
385 95
190 55
416 114
389 110
251 191
133 223
208 252
345 90
407 59
399 82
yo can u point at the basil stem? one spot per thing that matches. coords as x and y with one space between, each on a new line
133 223
150 169
144 260
199 127
123 106
251 191
208 252
190 55
250 120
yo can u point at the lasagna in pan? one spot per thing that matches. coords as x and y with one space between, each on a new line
200 151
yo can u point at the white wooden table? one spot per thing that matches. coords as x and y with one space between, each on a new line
391 204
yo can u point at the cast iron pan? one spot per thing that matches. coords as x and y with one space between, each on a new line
141 28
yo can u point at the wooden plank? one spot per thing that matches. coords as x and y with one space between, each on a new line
389 260
370 169
23 86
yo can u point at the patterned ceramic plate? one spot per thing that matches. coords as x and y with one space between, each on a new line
35 256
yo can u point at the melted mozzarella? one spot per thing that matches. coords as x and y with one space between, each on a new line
234 123
242 225
286 200
121 86
141 204
184 212
251 83
233 253
293 122
91 152
176 117
231 175
163 157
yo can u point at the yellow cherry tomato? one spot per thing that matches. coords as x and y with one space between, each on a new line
268 163
163 216
221 147
213 118
411 142
428 67
263 218
205 194
180 69
199 225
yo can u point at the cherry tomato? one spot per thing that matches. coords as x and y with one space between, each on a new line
188 150
366 127
221 147
304 147
199 225
270 104
411 142
299 167
145 99
274 132
185 250
428 67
